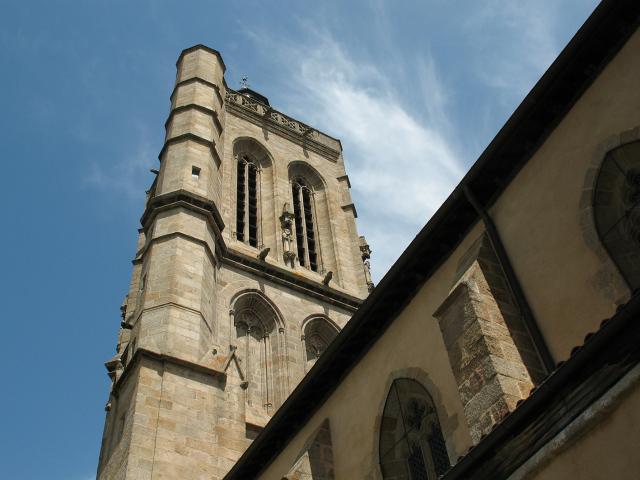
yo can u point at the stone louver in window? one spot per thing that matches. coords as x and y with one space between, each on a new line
247 201
304 224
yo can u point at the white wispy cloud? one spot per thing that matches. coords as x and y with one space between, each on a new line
127 175
513 42
402 167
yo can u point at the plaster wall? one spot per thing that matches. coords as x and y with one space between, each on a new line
569 286
411 347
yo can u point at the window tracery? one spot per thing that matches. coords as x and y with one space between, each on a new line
412 446
318 333
247 192
256 326
617 209
303 211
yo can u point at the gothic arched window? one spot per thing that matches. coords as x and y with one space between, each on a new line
247 201
318 333
254 194
303 211
259 347
617 209
411 443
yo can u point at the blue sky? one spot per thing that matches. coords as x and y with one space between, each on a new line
415 90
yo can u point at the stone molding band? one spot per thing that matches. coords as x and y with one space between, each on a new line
202 206
206 49
196 79
286 278
196 138
194 106
186 199
141 353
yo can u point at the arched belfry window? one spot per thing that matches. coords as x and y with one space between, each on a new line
306 235
315 247
247 201
617 209
412 446
253 183
317 334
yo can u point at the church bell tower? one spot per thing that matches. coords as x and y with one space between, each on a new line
248 263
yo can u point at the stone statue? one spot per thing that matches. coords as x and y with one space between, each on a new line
286 223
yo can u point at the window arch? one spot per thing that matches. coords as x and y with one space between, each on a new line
247 201
617 209
253 174
260 347
412 446
311 219
305 225
317 334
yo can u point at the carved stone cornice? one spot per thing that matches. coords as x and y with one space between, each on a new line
285 126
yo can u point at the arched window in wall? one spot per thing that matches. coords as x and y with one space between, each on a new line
412 446
303 211
247 201
317 334
312 227
617 209
253 183
260 347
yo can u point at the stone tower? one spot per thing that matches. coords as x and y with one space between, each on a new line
247 265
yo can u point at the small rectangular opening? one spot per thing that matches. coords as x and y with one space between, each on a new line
195 172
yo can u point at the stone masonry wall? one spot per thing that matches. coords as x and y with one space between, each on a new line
186 399
491 354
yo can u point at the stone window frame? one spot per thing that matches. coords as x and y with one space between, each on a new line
250 166
308 257
308 177
251 150
279 365
449 422
315 442
608 280
303 337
